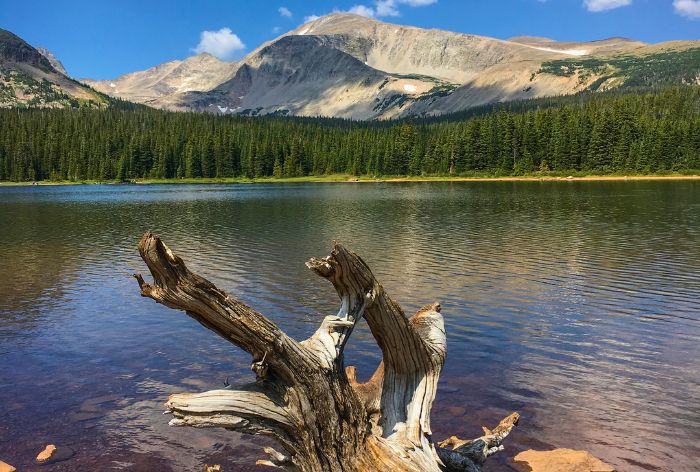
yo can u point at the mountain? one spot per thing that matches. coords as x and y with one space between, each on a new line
29 78
197 73
349 66
52 60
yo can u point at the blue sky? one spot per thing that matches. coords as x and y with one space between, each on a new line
101 39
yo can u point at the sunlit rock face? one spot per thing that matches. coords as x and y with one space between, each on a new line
195 74
55 63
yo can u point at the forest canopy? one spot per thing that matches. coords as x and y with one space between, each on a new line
656 131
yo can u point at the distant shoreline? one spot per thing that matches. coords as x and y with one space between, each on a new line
361 179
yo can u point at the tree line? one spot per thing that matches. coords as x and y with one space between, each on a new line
651 132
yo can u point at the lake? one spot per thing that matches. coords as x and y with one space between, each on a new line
576 304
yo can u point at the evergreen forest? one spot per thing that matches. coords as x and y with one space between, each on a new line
630 132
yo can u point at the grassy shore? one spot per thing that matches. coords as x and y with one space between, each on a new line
351 179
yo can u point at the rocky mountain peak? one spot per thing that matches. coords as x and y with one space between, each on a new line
52 60
350 66
32 76
14 49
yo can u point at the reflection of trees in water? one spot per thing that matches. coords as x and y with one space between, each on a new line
39 249
50 251
575 279
33 277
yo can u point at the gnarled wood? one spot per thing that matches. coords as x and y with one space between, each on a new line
471 454
304 396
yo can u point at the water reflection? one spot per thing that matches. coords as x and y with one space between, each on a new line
574 303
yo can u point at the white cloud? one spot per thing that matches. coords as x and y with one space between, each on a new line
285 12
689 8
417 3
602 5
362 10
223 44
381 8
276 29
384 8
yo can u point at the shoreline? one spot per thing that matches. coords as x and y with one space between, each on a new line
353 179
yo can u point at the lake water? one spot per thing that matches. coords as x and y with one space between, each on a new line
575 303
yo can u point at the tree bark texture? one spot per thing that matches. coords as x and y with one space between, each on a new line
303 395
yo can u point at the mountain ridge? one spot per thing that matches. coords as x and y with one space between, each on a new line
55 63
29 78
397 71
348 66
201 72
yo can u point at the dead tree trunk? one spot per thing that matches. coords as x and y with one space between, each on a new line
303 395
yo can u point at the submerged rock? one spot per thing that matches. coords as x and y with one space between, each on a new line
560 460
5 467
52 454
46 454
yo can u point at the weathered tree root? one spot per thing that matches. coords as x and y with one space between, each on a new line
303 396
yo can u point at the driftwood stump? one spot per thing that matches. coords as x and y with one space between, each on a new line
303 395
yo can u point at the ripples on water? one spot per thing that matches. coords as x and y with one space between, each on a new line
574 303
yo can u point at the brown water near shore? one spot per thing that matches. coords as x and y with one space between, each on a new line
344 178
576 305
588 178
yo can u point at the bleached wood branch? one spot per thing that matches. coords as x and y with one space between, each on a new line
470 455
303 395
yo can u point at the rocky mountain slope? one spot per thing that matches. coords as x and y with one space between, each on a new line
350 66
55 63
28 78
197 73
